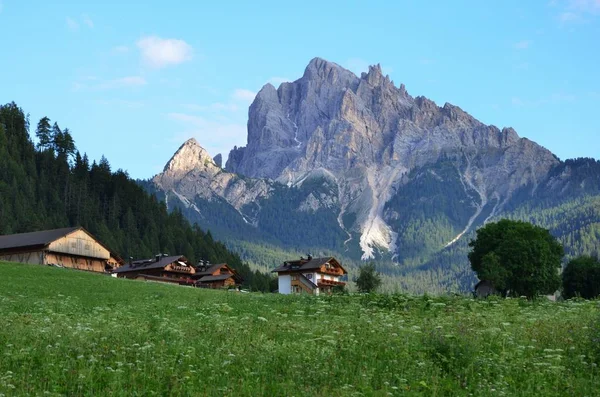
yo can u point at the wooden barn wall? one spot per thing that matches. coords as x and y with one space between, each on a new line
32 258
75 262
79 243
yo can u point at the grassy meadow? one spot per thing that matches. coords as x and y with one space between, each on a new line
64 332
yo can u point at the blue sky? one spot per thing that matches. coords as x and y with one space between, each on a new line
134 81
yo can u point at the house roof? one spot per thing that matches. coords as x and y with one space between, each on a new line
305 264
146 264
34 239
212 269
220 277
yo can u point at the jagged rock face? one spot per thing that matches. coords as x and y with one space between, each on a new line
367 134
192 173
218 159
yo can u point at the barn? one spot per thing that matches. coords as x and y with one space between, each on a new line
72 247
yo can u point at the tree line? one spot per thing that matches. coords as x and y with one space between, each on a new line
52 185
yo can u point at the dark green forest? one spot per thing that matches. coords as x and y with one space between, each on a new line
51 185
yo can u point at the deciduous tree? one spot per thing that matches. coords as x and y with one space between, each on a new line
517 257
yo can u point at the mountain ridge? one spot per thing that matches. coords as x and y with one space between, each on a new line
376 149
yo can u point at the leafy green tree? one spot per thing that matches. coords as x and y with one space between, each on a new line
581 277
368 279
517 257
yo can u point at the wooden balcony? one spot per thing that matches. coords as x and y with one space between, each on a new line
330 283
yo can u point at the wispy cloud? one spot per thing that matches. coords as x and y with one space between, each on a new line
243 95
215 135
72 24
1 6
239 100
87 21
576 11
523 44
159 53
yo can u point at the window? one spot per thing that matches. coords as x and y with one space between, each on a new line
309 276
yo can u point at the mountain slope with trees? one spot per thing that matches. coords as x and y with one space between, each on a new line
53 185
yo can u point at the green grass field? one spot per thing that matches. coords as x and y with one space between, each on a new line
64 332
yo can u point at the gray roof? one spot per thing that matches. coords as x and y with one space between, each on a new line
146 264
208 279
34 239
303 264
210 270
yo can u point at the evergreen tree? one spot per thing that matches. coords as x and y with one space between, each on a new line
368 279
44 133
581 277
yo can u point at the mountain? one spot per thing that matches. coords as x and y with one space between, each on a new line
357 166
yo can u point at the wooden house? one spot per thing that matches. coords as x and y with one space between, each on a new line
216 276
72 247
173 269
310 275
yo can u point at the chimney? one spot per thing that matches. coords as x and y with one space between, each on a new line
157 258
309 257
131 261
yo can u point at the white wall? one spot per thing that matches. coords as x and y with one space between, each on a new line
285 284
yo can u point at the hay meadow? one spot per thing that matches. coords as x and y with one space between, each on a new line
64 332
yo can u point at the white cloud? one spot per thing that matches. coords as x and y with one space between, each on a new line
244 95
1 6
523 44
215 135
72 24
159 53
88 21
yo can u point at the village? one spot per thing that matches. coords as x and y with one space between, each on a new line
76 248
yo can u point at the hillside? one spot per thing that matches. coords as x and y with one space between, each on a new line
357 167
70 333
54 186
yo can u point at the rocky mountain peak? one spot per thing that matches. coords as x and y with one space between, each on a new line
322 70
189 156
